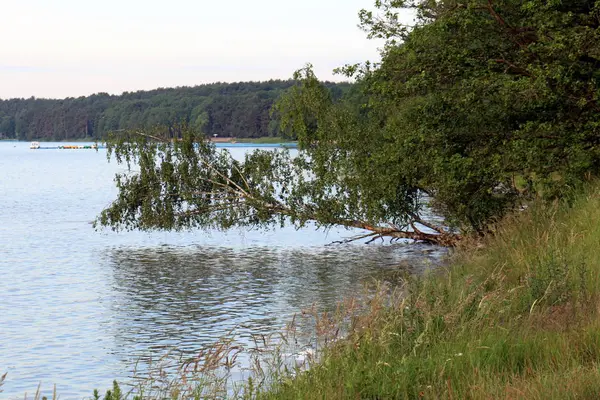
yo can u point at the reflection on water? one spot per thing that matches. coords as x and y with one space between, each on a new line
78 308
184 298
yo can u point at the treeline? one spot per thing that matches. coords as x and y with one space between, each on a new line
225 109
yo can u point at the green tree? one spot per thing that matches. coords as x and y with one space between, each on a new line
484 94
7 127
477 107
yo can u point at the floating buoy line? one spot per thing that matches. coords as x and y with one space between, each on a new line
37 146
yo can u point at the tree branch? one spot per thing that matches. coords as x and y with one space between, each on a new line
518 70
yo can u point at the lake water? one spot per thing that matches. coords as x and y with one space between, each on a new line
79 307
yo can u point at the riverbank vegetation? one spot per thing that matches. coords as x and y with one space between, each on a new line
515 316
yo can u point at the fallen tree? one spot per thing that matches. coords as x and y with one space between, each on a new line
187 183
477 107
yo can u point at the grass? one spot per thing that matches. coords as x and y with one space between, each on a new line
514 316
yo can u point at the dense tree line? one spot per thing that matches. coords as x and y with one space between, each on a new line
226 109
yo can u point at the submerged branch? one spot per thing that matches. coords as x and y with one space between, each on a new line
440 237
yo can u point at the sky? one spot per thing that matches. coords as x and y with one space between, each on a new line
71 48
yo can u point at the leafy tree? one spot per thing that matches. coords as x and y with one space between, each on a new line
490 93
478 106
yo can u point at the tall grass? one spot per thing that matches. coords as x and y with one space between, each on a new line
515 316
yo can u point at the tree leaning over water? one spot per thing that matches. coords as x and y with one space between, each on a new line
477 107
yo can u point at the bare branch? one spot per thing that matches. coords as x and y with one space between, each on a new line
158 139
355 238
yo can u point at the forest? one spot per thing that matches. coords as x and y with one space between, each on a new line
240 110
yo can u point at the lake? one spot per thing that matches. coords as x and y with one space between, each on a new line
79 307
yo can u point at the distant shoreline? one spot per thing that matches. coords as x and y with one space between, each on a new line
222 140
261 140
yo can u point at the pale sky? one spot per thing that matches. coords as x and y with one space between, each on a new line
62 48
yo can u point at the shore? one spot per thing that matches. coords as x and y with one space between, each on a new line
514 316
261 140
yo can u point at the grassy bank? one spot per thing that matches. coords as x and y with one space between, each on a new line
515 317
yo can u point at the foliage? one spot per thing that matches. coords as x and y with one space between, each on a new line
115 394
478 97
183 182
480 106
224 109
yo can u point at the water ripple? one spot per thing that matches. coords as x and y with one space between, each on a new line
79 308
